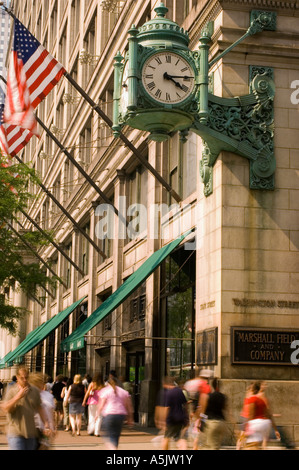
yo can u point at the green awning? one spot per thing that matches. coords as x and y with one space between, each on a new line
38 335
6 361
76 340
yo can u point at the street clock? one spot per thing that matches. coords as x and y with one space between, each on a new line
163 87
168 78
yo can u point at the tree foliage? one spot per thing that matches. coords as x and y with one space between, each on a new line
19 269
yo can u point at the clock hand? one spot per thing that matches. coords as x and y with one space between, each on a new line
168 77
185 77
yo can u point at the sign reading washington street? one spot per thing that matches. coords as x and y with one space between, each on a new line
263 346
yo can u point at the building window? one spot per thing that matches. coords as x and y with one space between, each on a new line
183 165
179 295
85 250
53 25
138 304
137 213
85 144
68 266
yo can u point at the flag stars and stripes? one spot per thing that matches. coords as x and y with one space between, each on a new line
32 74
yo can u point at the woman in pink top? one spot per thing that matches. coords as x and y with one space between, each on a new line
114 406
92 400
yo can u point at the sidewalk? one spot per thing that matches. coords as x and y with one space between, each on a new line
136 439
131 439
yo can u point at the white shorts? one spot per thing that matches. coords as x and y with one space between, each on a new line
258 429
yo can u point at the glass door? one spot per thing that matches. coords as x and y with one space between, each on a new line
135 375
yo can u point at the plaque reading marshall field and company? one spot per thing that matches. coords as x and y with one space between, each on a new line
262 346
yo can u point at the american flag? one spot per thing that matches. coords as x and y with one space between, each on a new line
32 74
12 138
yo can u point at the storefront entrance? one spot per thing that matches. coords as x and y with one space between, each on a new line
178 303
134 377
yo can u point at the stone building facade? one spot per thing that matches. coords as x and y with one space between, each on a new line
231 302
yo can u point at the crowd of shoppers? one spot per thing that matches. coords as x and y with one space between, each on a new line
198 412
36 407
191 413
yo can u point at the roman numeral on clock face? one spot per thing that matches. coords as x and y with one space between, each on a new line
151 85
168 78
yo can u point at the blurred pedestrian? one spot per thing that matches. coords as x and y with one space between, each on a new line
21 402
177 418
87 380
66 414
244 416
56 391
214 410
49 384
48 404
91 399
204 389
260 421
115 407
75 397
13 381
113 376
275 433
160 412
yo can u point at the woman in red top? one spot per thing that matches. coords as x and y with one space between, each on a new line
259 419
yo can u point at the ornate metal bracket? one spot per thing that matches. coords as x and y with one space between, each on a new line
243 125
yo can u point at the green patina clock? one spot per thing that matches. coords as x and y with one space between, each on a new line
168 78
162 87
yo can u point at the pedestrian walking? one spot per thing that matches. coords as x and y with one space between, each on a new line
244 417
260 420
48 404
75 397
160 413
91 399
177 418
66 414
214 409
115 406
203 390
276 432
49 384
13 381
56 391
21 403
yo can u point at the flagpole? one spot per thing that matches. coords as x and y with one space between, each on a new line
65 255
47 266
32 251
68 215
108 121
51 241
81 170
126 141
58 203
76 164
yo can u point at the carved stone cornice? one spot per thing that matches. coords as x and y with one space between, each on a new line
211 9
262 4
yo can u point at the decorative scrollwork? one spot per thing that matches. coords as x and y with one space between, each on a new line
250 126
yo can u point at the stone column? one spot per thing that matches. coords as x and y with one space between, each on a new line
116 359
149 386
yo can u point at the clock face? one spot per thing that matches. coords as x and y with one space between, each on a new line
124 96
168 78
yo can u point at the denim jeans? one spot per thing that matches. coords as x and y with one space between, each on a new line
112 427
20 443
